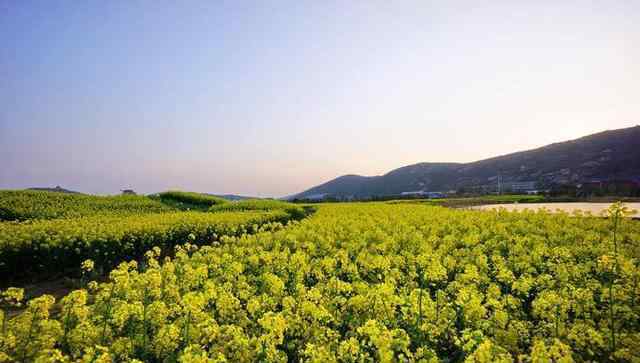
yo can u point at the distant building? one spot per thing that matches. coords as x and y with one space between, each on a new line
538 191
417 192
422 193
435 195
607 186
128 192
519 187
319 196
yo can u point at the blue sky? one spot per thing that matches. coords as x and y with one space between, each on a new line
270 98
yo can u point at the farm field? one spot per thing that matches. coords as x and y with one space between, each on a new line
46 233
359 282
593 208
463 202
21 205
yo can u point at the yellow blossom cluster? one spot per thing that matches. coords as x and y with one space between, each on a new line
42 246
361 282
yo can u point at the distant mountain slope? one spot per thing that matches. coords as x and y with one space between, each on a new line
613 154
232 197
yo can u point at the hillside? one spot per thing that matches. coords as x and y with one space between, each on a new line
608 155
232 197
57 189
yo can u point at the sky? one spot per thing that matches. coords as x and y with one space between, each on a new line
269 98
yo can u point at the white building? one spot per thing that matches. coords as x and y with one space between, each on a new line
523 186
417 192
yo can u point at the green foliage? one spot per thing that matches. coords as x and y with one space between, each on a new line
19 205
471 201
50 246
251 205
188 200
296 211
365 282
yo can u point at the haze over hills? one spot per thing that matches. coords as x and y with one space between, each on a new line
608 155
232 197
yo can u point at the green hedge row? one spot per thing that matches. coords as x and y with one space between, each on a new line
188 200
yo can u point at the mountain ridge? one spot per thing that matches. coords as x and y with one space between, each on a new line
606 155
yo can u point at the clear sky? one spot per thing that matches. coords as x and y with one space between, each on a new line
269 98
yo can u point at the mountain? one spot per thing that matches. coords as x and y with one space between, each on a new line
605 156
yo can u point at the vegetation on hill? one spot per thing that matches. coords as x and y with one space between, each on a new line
57 189
609 155
362 282
472 201
232 197
295 210
188 200
20 205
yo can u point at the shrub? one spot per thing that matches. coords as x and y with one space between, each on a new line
188 200
296 211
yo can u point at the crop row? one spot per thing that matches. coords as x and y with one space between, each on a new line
188 200
24 205
50 246
295 210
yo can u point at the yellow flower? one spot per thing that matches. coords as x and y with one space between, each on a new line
13 296
87 266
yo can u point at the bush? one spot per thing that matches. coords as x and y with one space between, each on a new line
188 200
293 210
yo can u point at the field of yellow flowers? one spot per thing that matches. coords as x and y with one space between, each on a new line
359 282
47 233
22 205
